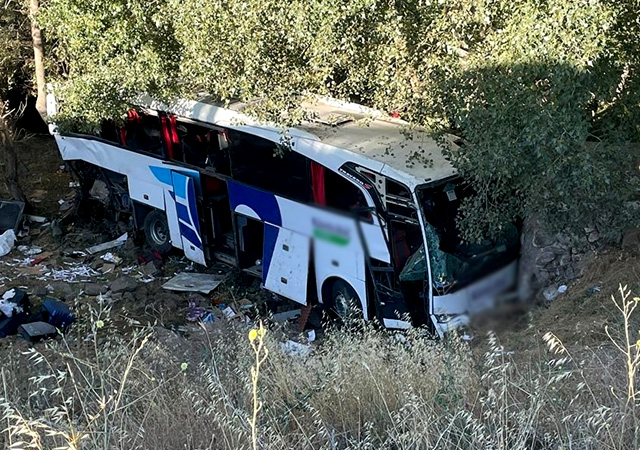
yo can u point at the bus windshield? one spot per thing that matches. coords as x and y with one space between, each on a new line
455 262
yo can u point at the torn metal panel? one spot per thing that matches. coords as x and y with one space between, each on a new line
108 245
194 282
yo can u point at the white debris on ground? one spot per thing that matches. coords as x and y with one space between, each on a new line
75 273
29 251
6 307
7 241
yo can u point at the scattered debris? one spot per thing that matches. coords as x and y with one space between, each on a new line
10 215
100 191
293 348
229 313
76 272
197 313
108 245
311 335
29 251
593 290
36 331
194 282
562 289
36 219
111 258
14 307
7 241
57 313
550 293
13 301
286 315
41 257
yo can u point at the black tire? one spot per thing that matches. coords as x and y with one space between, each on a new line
345 303
156 232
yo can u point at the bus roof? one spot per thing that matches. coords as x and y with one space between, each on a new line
375 140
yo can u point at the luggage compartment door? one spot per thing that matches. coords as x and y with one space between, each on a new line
187 211
286 263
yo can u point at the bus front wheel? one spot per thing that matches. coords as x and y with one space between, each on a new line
345 302
156 232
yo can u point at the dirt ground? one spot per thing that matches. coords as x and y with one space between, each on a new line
61 269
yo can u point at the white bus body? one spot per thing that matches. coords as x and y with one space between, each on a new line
219 206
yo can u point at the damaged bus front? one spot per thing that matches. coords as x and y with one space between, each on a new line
463 278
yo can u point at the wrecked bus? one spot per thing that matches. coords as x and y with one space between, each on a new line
356 211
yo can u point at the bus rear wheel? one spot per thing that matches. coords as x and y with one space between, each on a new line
345 303
156 232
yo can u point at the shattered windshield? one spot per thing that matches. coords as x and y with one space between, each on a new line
454 261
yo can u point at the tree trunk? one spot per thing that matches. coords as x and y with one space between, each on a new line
8 154
38 57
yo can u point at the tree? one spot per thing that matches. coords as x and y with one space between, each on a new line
13 52
544 94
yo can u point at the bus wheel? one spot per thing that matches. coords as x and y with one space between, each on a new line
156 232
345 302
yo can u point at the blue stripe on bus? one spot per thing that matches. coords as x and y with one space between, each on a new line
183 213
264 204
190 235
193 211
180 185
269 246
162 174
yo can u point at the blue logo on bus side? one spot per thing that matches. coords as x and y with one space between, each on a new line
185 202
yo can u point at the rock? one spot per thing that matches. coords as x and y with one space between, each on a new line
64 289
593 237
128 297
541 239
545 258
39 291
168 300
141 293
94 289
123 284
564 260
631 239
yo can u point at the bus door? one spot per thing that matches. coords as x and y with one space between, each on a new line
287 269
187 212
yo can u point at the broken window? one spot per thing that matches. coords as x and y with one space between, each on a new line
262 163
142 132
344 195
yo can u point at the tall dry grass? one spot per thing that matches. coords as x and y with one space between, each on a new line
148 388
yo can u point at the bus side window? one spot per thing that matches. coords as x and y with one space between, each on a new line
109 131
196 143
143 132
343 195
259 162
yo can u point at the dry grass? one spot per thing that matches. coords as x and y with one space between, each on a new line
151 389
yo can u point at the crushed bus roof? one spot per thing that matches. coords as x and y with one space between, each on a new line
393 146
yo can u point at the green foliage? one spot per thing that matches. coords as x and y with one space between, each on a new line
14 45
546 95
